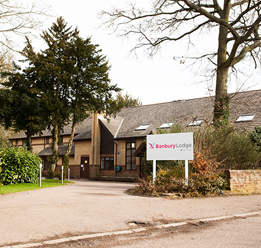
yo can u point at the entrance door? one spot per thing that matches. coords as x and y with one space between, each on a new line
84 172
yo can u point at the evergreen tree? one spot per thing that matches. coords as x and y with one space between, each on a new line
90 89
50 69
125 101
21 107
71 78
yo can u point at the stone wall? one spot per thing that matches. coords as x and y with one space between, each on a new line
245 181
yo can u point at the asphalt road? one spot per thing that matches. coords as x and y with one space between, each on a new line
234 232
91 207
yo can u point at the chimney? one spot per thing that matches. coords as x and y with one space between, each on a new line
96 141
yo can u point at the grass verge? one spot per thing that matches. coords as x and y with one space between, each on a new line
46 183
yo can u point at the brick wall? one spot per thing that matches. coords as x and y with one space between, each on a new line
74 171
245 181
112 175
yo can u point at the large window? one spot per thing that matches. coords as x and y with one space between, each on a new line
130 158
107 163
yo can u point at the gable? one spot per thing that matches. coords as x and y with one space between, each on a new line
107 141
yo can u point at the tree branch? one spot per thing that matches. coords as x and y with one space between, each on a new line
211 17
244 51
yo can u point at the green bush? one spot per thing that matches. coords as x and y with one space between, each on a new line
18 166
230 148
50 174
255 136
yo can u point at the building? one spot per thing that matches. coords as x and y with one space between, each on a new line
113 150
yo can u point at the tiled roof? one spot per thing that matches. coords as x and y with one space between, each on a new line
61 150
84 130
184 111
81 127
113 124
181 111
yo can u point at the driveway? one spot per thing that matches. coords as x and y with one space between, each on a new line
88 207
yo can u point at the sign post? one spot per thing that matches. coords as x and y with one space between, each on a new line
40 175
62 175
173 146
186 171
154 171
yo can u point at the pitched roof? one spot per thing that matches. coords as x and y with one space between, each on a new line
113 125
61 150
182 111
84 130
81 127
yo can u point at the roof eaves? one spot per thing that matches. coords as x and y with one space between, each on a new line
117 132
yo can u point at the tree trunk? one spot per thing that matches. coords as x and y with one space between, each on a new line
69 147
29 143
55 154
221 105
29 140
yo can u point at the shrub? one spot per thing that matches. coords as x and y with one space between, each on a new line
50 174
224 147
172 181
255 136
230 148
197 185
216 149
19 166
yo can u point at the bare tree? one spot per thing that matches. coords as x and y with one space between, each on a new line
18 18
237 24
6 64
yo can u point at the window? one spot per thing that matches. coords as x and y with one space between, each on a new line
46 164
16 143
166 125
47 140
107 163
196 122
130 158
247 117
142 127
24 143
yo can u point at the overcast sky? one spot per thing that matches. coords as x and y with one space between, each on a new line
152 80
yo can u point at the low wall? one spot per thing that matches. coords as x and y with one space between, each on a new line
74 171
245 181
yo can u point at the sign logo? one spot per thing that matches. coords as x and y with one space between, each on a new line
152 145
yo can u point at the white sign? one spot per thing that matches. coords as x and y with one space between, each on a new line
173 146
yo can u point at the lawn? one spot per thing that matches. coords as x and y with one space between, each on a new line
46 183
